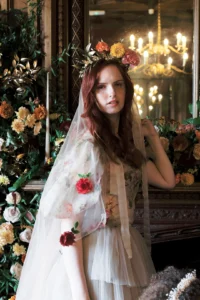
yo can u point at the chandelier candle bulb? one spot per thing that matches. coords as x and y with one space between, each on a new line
141 90
153 99
150 107
146 56
140 44
170 60
179 38
160 97
132 42
150 35
185 57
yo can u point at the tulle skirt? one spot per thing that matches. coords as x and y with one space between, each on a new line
110 274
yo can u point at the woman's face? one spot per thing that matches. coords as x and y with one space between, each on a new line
110 90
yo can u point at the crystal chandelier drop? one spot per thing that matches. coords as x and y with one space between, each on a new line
155 57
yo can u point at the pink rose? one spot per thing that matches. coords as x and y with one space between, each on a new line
131 57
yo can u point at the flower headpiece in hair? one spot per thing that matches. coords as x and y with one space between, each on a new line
89 57
183 284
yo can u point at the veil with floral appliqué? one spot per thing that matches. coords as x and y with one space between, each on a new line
78 157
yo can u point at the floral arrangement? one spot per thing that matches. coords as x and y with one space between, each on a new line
182 145
22 137
89 57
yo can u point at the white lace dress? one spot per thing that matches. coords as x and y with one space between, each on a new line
110 274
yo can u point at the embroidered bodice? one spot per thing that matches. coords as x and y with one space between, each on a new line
132 180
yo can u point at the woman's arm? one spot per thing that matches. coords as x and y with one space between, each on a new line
73 261
160 172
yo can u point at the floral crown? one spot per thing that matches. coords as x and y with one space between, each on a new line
89 57
183 284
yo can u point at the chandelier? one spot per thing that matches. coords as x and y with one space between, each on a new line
153 53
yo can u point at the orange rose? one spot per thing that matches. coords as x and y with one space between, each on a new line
6 110
40 112
187 179
102 46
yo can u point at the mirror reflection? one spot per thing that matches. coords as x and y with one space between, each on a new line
161 31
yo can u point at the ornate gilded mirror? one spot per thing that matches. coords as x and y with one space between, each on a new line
165 34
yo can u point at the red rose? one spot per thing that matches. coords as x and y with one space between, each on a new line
130 58
67 238
84 186
64 126
102 46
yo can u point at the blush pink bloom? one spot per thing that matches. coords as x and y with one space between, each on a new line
131 57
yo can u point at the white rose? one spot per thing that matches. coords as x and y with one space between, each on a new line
25 236
15 270
10 198
11 214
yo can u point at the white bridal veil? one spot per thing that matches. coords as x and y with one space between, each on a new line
78 157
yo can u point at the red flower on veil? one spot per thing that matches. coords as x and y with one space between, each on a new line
84 185
67 238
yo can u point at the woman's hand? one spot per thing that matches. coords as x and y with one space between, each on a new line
148 129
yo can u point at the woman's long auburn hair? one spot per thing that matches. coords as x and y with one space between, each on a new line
121 147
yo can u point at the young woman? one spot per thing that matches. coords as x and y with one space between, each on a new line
94 182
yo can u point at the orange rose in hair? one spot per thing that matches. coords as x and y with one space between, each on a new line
102 46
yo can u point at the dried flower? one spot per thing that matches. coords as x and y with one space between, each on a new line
18 249
84 186
22 113
13 198
196 151
37 128
18 125
40 112
67 238
102 46
6 110
117 50
4 180
30 121
180 143
187 179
